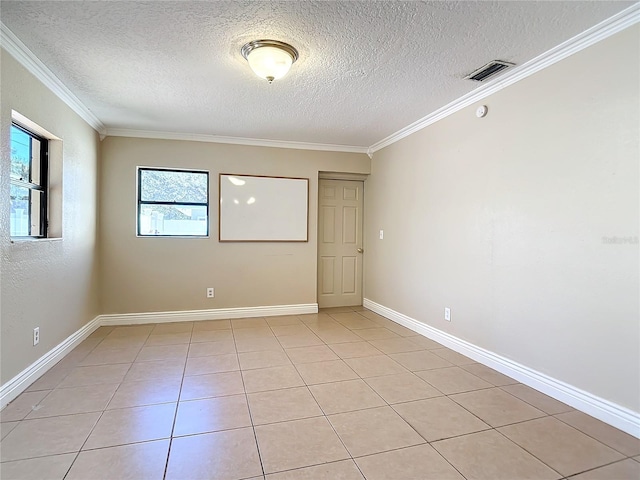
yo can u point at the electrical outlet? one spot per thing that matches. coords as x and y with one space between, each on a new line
36 336
210 292
447 314
381 234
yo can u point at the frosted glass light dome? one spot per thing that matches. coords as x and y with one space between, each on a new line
269 59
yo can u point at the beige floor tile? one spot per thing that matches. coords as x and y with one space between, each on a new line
372 315
354 321
130 331
560 446
212 415
332 310
299 443
51 379
489 374
301 340
163 352
6 427
95 375
637 459
490 456
104 356
131 425
257 322
211 325
155 370
325 372
412 463
199 336
610 436
204 349
496 407
283 320
288 330
282 405
395 345
439 418
236 456
41 437
346 396
624 470
22 406
51 468
101 332
376 333
265 359
375 430
400 330
138 394
537 399
318 353
421 360
375 366
452 380
453 356
121 342
257 344
126 462
168 339
172 328
403 387
254 332
212 385
212 364
342 470
355 350
273 378
69 401
334 335
425 342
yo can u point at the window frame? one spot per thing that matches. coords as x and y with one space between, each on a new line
141 203
42 186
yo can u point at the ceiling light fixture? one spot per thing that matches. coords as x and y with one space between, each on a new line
269 59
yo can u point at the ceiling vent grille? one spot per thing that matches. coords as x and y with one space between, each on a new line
489 70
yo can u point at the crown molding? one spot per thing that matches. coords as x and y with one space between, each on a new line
626 18
18 50
253 142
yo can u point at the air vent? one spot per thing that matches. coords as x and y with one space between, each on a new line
489 70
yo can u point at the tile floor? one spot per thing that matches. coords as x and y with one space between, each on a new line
344 394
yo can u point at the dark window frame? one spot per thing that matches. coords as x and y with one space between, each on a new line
141 202
42 186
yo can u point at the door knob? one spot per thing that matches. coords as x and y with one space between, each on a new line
360 250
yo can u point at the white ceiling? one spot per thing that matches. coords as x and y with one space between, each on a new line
366 69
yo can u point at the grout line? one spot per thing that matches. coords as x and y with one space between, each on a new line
175 413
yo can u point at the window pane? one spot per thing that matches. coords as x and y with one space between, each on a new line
36 197
19 211
181 220
20 155
170 186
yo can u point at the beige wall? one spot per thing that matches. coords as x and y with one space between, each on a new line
47 283
168 274
502 219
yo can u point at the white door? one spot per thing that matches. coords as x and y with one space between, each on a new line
340 243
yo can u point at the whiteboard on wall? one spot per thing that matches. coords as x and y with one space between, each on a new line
263 209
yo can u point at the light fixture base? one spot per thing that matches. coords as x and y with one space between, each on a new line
247 48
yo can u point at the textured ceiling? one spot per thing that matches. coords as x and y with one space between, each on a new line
366 69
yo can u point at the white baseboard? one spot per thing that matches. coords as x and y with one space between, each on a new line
18 384
24 379
212 314
618 416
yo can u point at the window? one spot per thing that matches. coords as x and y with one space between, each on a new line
29 165
173 203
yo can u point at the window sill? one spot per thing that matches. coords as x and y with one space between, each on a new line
37 240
